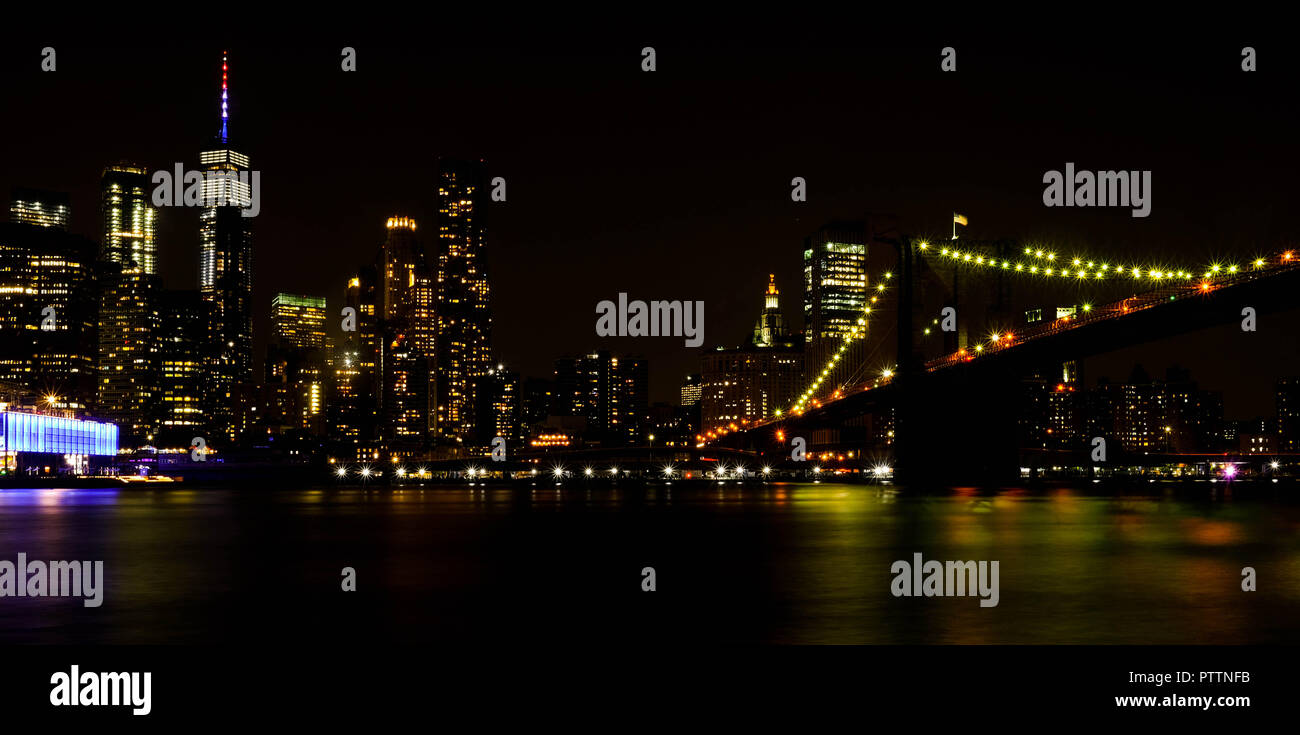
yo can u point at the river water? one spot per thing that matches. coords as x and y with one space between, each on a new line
786 563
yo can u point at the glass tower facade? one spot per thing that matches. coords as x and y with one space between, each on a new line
464 353
129 218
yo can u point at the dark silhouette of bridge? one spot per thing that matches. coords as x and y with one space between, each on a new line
955 418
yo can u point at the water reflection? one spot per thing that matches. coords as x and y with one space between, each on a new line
778 563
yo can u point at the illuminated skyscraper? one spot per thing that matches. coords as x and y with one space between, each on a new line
226 272
47 313
186 318
298 322
354 403
41 208
128 219
408 315
129 316
464 352
835 294
296 358
130 327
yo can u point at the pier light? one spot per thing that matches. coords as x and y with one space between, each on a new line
365 471
588 472
341 472
768 470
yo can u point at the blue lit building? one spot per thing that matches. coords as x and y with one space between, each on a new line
31 442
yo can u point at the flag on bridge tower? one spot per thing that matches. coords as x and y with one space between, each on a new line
957 219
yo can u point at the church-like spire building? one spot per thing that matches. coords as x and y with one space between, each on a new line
769 330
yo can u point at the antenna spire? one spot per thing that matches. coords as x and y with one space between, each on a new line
225 97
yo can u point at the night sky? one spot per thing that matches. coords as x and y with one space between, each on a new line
676 184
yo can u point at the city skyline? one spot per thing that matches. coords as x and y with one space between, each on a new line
470 336
531 350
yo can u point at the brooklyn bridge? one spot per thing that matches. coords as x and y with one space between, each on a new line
953 418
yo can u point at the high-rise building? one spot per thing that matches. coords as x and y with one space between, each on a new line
130 333
691 389
502 408
128 234
297 358
464 352
539 401
298 322
354 405
835 294
611 392
185 318
407 317
48 313
129 312
40 208
226 271
1288 414
748 384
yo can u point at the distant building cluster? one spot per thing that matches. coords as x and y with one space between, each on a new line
1145 415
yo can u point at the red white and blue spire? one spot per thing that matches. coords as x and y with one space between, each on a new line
225 96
